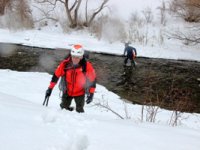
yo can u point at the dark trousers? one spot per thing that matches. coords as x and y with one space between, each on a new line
126 59
131 59
79 100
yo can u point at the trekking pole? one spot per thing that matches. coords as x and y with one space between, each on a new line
46 101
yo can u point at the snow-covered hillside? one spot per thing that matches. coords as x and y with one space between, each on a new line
26 124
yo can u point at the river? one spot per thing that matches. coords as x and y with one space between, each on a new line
171 84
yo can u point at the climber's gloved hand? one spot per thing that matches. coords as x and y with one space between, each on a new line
89 98
48 92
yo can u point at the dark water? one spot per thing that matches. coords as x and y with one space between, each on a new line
172 84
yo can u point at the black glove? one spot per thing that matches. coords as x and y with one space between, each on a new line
89 98
48 92
47 95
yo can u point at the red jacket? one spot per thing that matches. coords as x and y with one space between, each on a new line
77 80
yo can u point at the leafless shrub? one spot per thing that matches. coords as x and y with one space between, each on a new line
148 15
178 100
180 103
18 15
110 109
96 27
24 13
173 6
151 104
174 98
174 119
136 20
151 113
192 10
150 108
104 104
90 18
3 5
146 38
126 110
64 27
189 37
163 13
189 10
46 14
135 29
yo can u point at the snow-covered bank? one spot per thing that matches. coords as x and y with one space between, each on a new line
52 39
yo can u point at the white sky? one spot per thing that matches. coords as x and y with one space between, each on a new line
131 6
27 125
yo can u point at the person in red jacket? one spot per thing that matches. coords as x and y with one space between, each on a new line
80 79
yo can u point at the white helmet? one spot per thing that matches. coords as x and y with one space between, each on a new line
77 50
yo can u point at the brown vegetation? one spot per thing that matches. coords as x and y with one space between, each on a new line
17 14
3 4
189 10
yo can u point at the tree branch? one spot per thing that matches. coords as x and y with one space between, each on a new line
108 108
46 14
193 37
97 11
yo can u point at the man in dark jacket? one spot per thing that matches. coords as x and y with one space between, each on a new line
130 53
80 79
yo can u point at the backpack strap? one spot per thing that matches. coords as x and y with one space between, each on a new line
83 63
63 84
67 66
84 70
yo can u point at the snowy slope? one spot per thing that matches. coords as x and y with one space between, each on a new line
26 124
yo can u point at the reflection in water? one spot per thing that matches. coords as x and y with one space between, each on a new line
6 50
126 77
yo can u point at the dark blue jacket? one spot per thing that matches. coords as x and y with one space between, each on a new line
129 50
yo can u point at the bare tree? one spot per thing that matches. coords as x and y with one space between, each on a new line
3 5
148 15
18 15
94 14
191 36
72 11
151 108
181 103
192 10
46 14
162 13
24 13
189 10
